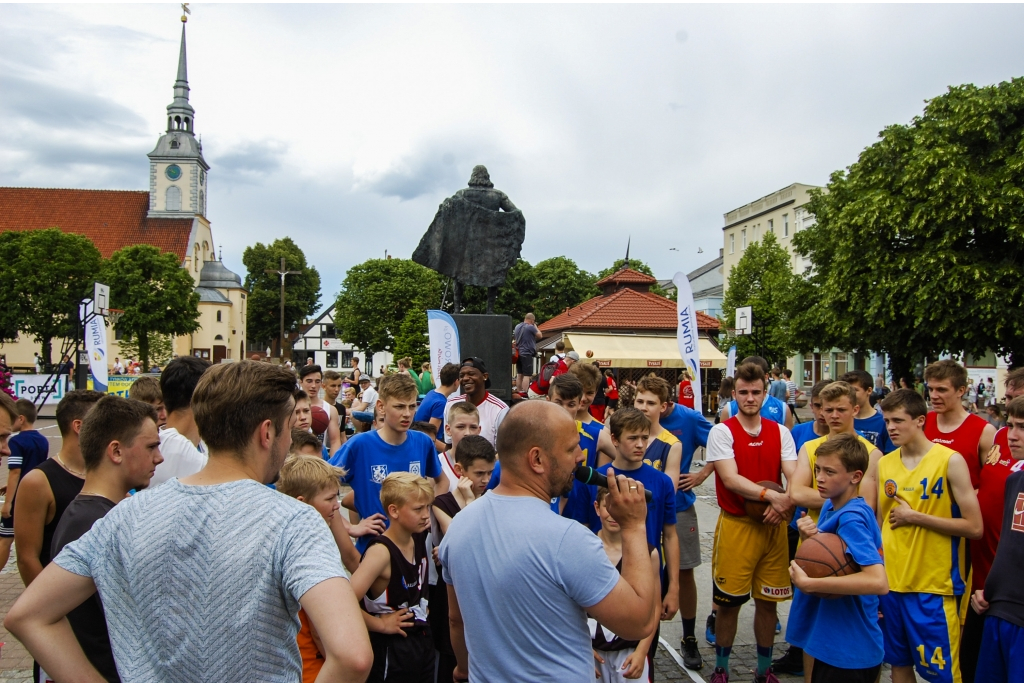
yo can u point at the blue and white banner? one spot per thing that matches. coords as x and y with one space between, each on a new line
96 345
730 365
686 335
444 341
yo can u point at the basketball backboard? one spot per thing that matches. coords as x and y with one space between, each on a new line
744 320
100 299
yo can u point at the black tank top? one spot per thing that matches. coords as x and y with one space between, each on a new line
65 488
407 587
601 639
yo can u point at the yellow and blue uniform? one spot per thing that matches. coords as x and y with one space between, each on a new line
812 457
658 449
589 433
921 625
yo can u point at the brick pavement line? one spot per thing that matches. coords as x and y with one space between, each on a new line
694 676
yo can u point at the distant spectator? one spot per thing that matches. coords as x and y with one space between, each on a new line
525 336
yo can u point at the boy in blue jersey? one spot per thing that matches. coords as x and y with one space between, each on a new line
772 408
869 422
597 446
816 622
29 449
431 409
566 391
368 458
630 431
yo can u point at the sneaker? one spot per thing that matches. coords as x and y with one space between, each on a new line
791 662
778 627
720 675
768 677
709 630
691 656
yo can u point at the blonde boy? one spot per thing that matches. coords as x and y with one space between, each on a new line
369 458
392 577
463 420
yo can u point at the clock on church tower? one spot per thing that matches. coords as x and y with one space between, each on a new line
177 170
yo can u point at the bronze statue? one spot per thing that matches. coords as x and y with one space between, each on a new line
475 238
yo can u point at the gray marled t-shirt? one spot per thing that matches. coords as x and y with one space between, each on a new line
202 583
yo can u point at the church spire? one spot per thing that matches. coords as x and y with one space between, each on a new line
180 115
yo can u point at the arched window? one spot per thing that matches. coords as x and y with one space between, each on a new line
187 124
218 318
173 203
177 122
218 336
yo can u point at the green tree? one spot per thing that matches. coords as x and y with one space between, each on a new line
762 279
301 291
635 265
156 294
377 295
515 298
161 349
560 284
412 339
919 245
51 272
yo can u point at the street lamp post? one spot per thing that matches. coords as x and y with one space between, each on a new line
282 272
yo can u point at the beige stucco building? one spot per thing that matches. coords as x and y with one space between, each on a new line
171 215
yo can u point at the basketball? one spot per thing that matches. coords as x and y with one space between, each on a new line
320 420
823 555
755 509
590 353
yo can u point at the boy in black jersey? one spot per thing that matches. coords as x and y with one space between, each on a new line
392 576
474 465
618 660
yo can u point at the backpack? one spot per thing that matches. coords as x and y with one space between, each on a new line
547 372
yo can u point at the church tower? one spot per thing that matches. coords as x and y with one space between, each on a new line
177 170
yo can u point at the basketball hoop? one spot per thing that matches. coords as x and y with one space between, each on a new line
113 316
732 332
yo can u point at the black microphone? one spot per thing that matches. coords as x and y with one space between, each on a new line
587 475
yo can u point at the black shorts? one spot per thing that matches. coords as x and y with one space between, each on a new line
7 526
826 673
525 364
398 659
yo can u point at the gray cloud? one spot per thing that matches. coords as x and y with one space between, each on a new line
249 162
55 107
433 167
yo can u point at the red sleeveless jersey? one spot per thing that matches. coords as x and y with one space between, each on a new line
990 496
757 458
964 440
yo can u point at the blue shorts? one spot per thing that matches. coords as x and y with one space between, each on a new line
922 630
1001 659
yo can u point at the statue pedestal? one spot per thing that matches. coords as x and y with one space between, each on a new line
489 336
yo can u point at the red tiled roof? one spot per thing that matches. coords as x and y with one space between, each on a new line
624 308
112 219
627 276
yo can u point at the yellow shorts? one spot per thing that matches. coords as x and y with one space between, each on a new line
749 558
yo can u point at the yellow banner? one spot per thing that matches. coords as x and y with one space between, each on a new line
118 385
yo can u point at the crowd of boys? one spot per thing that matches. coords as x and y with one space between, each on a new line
156 581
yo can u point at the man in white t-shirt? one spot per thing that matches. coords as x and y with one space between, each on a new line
180 445
473 380
367 396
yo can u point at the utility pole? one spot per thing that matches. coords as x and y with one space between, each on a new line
282 273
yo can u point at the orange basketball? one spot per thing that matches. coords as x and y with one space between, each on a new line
590 353
755 508
823 555
320 420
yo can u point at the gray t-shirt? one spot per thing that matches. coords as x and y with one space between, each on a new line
201 583
525 335
523 575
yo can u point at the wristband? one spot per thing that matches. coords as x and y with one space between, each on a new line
763 491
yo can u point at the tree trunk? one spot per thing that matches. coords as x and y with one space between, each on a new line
900 367
47 351
144 350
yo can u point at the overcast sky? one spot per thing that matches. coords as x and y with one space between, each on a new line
344 127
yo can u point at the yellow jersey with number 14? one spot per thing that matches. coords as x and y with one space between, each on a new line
918 559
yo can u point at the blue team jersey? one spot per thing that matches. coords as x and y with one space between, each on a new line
772 408
691 429
873 428
815 624
661 511
29 449
368 460
495 477
589 433
579 505
432 407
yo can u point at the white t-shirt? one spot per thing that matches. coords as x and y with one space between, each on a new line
370 397
448 468
720 443
492 413
181 457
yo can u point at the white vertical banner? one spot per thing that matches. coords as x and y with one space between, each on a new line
96 345
686 335
730 365
444 341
